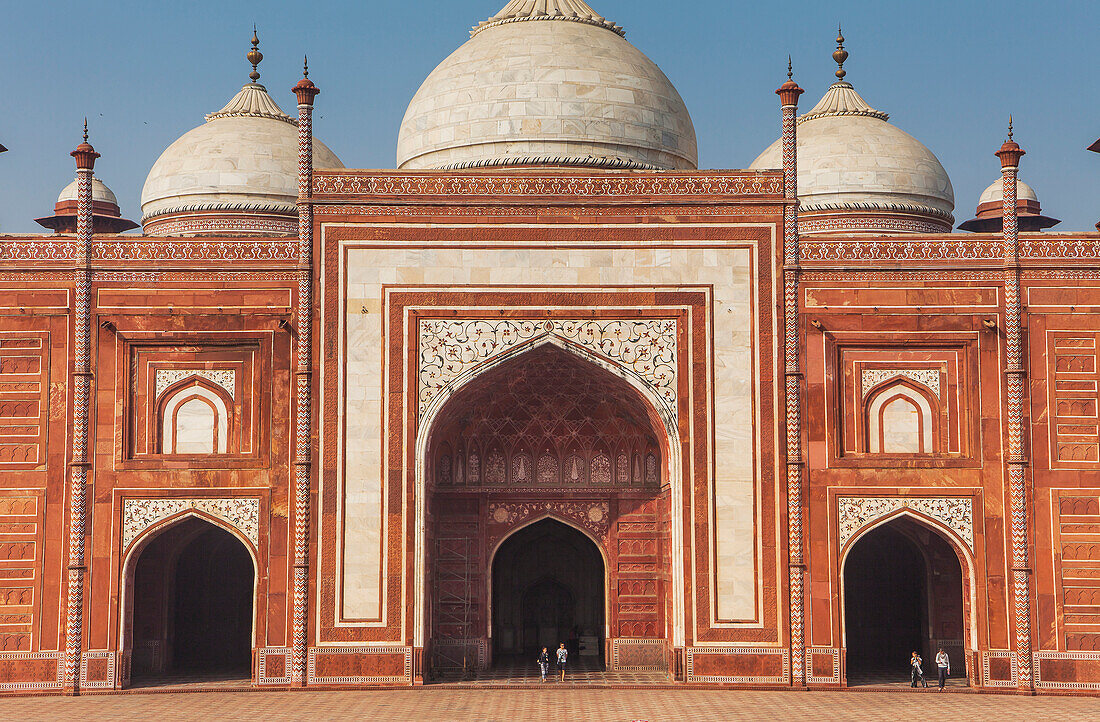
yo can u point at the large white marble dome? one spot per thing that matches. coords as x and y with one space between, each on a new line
857 172
235 174
547 82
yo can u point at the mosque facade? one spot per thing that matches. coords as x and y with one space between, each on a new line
548 381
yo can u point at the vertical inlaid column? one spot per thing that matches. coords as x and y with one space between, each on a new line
1015 380
788 94
305 91
79 463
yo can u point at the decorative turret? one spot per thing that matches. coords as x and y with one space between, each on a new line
106 217
990 215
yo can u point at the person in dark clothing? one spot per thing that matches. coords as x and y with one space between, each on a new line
916 674
544 663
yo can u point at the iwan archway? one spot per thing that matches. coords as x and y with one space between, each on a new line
906 588
545 448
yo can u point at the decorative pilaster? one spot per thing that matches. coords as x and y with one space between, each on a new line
305 91
1016 378
788 94
85 156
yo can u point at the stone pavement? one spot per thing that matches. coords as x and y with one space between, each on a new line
610 705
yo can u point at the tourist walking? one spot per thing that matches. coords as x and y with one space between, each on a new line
915 672
563 655
943 666
544 663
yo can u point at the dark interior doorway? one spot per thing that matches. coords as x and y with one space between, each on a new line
193 597
548 587
903 592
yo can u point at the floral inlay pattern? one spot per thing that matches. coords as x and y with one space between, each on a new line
449 347
226 378
925 377
856 512
593 516
240 512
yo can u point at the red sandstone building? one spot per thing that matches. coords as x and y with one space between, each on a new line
548 380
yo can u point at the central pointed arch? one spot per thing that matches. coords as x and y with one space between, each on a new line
545 538
666 465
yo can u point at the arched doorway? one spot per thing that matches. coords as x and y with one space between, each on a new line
546 431
904 591
193 595
548 587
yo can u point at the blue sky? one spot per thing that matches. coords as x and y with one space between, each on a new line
948 71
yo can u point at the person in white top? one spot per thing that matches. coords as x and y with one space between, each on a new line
563 654
943 664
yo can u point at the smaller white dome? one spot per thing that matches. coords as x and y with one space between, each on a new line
100 192
994 193
241 163
863 172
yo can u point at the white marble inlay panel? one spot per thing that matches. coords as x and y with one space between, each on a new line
925 377
448 348
226 378
727 271
856 512
243 513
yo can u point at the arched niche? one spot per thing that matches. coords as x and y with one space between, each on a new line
906 585
543 426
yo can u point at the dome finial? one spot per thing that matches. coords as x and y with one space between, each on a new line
1010 127
305 66
840 54
790 68
254 55
85 129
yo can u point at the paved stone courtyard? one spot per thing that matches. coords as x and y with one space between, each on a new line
612 705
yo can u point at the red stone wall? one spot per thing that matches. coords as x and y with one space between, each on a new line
156 304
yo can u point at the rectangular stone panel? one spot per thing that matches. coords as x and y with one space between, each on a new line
359 665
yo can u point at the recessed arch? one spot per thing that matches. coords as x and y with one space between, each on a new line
934 608
901 418
520 561
663 419
177 534
195 417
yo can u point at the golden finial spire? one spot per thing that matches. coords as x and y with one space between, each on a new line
790 68
1010 127
305 66
254 56
840 54
85 129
